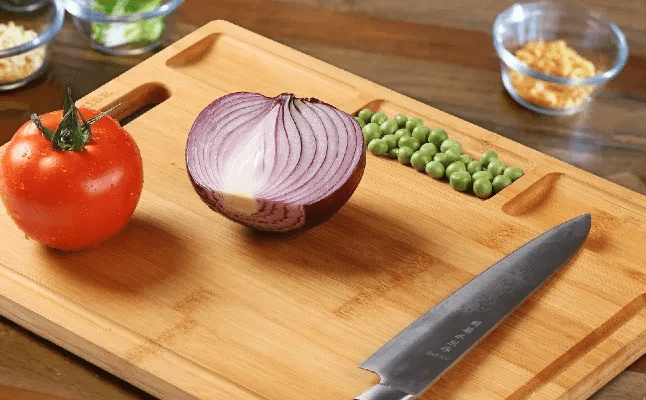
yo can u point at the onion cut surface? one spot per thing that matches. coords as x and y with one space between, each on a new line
275 164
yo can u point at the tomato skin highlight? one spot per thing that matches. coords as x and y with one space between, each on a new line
71 200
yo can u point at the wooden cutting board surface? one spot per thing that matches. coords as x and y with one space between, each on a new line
188 305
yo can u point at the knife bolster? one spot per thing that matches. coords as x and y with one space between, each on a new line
381 392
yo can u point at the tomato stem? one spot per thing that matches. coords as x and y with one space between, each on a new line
71 134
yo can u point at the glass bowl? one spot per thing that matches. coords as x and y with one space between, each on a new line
566 90
24 43
22 5
122 31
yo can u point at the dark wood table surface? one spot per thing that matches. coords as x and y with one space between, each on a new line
438 52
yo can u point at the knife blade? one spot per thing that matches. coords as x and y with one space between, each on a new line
414 359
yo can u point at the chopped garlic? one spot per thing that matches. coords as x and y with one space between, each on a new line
20 66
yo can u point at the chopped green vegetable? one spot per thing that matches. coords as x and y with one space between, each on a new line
119 34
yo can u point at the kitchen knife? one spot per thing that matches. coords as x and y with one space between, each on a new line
414 359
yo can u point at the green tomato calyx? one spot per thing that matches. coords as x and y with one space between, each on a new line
71 134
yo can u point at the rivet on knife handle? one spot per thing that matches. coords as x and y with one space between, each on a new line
414 359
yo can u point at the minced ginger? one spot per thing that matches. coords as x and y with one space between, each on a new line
20 66
554 58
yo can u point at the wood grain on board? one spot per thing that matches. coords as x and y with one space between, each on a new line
400 45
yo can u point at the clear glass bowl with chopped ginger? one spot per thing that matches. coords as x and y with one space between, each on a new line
24 42
556 57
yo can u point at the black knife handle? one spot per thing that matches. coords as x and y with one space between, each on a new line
381 392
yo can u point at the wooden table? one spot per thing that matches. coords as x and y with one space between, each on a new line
440 53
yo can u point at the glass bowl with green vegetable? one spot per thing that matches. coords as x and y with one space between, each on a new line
24 43
123 27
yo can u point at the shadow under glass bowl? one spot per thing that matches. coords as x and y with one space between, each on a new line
590 35
25 62
129 34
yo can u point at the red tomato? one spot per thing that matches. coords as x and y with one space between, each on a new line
71 199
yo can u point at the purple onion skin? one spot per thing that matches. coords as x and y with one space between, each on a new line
316 212
324 209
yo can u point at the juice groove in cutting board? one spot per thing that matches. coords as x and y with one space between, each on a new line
189 305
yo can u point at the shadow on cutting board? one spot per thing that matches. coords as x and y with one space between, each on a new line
143 254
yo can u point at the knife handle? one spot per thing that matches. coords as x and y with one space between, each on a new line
381 392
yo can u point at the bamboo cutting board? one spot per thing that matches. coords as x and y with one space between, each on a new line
188 305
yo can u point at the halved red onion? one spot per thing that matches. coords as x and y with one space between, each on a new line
275 164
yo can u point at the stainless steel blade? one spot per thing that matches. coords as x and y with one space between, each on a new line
415 358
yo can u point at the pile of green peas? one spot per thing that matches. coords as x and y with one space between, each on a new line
433 152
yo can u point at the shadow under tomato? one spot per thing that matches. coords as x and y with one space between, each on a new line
143 254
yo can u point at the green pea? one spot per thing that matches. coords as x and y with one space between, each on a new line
392 153
482 174
379 118
361 122
437 136
401 133
474 166
421 133
409 142
391 140
378 146
487 157
482 187
401 120
496 167
371 131
452 154
388 127
513 173
455 167
460 181
441 158
419 159
465 158
500 182
429 148
451 143
404 154
435 169
413 122
365 115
